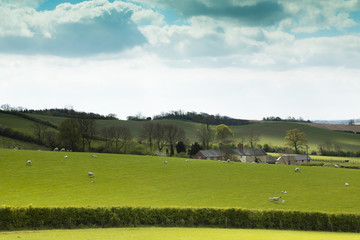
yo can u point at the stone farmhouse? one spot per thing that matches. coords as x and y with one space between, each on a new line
240 154
294 159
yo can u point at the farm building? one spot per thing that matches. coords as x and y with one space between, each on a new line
294 159
238 155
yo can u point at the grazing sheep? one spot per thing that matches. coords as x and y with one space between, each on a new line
284 191
66 156
346 184
90 174
165 162
16 148
94 156
28 162
283 201
228 160
274 199
336 166
297 169
56 149
186 160
62 150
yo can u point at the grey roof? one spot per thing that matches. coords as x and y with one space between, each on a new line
245 152
297 157
212 153
250 152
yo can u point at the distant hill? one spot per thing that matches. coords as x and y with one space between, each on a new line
272 133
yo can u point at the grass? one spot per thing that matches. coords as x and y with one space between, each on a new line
9 143
130 180
175 234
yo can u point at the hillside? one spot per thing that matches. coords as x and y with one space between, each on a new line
272 133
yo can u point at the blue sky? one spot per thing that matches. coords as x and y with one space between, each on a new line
245 59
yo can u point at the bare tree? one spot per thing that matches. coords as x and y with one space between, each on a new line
253 138
148 132
205 135
159 136
87 127
173 134
39 131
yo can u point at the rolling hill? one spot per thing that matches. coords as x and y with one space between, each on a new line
272 133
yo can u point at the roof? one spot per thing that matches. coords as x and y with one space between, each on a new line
212 153
245 152
295 157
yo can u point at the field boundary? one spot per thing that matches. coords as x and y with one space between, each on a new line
81 217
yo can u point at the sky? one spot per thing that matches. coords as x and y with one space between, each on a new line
245 59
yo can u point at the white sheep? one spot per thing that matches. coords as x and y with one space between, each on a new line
297 169
165 162
56 149
90 174
283 201
347 184
336 166
284 191
186 160
66 156
274 199
62 150
28 162
94 156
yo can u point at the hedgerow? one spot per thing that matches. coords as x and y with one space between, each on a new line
72 217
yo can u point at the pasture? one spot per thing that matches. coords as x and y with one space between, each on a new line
145 181
175 234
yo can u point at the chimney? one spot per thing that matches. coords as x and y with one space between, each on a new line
240 146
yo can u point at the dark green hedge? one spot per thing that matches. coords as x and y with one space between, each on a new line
71 217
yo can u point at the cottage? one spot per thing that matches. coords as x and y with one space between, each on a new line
257 155
294 159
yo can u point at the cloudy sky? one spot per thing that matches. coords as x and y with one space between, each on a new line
241 58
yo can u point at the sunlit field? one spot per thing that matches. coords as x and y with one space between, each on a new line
129 180
175 234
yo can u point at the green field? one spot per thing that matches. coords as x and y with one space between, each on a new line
130 180
175 234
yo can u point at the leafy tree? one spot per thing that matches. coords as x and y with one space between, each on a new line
194 148
205 135
180 147
69 134
223 132
296 139
159 136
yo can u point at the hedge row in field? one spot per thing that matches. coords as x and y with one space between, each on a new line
45 218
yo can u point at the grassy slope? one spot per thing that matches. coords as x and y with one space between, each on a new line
127 180
273 133
10 143
175 234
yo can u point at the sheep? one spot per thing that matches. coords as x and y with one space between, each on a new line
62 150
94 156
66 156
284 191
56 149
274 199
91 175
165 162
283 201
28 163
336 166
347 184
228 160
297 169
187 160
